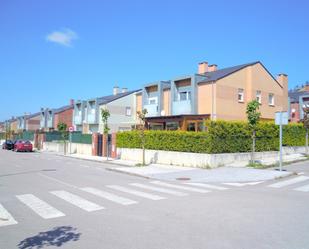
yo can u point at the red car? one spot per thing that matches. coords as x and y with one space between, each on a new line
21 145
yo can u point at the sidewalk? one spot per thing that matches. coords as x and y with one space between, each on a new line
174 173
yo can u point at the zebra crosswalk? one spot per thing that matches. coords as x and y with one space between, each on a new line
93 199
124 195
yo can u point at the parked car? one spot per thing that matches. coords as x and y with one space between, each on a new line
8 145
21 145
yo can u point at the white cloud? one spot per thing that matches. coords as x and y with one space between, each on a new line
64 37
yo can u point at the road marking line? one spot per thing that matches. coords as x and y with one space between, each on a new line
158 189
137 193
59 181
289 182
241 184
181 187
109 196
6 218
77 201
303 188
205 185
40 207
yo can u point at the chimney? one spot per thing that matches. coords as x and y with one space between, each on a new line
212 68
115 90
283 81
124 90
203 67
71 102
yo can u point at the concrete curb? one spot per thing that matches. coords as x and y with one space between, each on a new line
129 173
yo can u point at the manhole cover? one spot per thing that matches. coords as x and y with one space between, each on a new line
183 178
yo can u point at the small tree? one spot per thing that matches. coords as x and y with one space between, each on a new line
253 116
62 128
105 115
142 118
306 125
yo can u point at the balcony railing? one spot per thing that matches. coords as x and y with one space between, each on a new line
50 123
182 107
152 110
78 120
91 119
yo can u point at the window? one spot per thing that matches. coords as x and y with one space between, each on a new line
259 96
153 100
183 96
271 99
240 95
128 111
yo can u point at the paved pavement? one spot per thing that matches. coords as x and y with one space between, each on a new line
51 201
221 174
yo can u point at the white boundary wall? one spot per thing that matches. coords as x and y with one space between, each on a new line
76 148
201 160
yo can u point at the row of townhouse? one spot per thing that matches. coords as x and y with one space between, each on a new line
183 102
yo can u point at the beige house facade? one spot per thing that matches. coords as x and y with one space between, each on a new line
216 94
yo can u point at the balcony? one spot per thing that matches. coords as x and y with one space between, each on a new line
50 123
152 110
77 119
182 107
91 119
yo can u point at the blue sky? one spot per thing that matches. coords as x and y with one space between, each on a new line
55 50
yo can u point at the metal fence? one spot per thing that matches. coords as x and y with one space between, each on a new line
77 137
54 136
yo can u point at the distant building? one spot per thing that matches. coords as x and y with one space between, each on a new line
298 98
50 118
121 105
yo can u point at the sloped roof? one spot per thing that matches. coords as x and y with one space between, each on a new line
106 99
221 73
63 108
294 95
33 115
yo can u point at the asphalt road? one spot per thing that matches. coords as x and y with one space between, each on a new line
56 202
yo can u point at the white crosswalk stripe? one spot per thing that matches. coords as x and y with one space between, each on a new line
40 207
180 187
289 182
205 185
158 189
304 188
109 196
241 184
77 201
6 218
137 193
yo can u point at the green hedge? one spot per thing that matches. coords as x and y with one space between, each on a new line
220 137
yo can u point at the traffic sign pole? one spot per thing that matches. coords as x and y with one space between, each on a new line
280 157
281 119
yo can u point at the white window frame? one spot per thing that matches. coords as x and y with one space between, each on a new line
128 111
241 94
259 96
188 95
151 99
271 101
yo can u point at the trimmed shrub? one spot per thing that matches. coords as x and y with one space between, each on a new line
221 137
166 140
